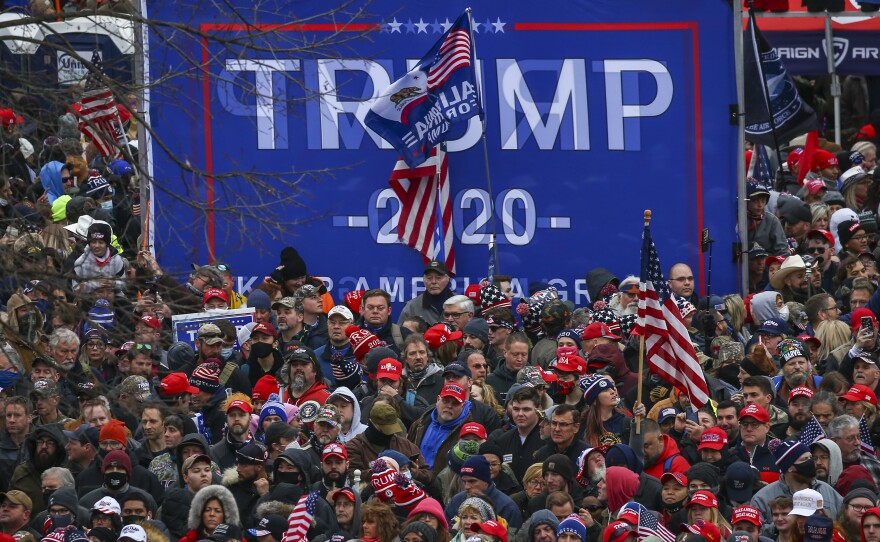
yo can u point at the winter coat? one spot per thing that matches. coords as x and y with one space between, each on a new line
223 453
417 435
501 379
256 372
175 510
361 452
430 385
324 521
835 463
357 426
409 413
26 478
231 515
519 454
770 235
245 495
92 478
188 440
831 499
422 306
670 460
19 343
10 456
596 279
761 460
504 506
88 500
89 274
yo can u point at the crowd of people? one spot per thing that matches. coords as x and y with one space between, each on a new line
468 417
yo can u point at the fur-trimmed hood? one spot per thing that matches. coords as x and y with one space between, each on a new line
283 509
230 509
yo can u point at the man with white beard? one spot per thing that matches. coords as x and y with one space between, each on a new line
302 375
626 300
796 371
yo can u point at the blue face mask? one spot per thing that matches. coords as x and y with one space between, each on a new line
225 353
8 379
107 205
42 305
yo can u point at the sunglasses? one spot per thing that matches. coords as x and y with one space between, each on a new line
143 347
222 267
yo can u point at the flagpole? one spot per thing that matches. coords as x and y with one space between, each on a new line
641 350
766 92
493 246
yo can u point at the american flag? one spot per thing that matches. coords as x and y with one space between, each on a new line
865 438
648 523
763 174
425 222
454 53
669 351
300 518
812 432
99 118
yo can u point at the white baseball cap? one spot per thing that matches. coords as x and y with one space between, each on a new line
806 503
133 532
107 505
343 310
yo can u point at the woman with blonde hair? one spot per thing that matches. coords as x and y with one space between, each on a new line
704 505
484 393
821 215
832 334
735 314
533 485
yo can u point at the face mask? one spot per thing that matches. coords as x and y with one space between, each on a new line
225 353
408 475
674 507
115 480
294 478
261 350
107 205
128 520
27 326
807 468
46 495
730 374
42 305
61 521
783 313
564 388
8 378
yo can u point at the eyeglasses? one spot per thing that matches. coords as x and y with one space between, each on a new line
859 508
683 279
452 314
48 443
750 425
560 424
480 365
95 345
816 250
834 308
860 237
65 179
536 482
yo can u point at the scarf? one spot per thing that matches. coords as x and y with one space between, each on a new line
755 221
102 262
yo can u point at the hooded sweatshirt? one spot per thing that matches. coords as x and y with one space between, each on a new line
596 279
50 176
26 477
670 460
357 426
621 486
764 307
200 500
835 464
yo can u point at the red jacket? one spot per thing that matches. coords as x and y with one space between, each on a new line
318 392
678 464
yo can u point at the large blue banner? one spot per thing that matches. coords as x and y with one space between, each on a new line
594 111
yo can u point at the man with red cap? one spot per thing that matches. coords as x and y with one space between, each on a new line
215 300
754 426
437 431
238 419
